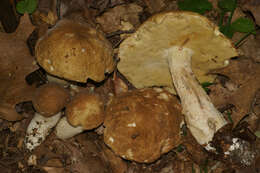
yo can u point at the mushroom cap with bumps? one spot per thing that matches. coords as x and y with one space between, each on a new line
141 125
85 110
49 99
143 54
75 51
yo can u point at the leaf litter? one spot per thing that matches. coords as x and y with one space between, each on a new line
236 90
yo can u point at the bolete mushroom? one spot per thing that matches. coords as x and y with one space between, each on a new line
48 101
141 125
190 46
75 51
84 112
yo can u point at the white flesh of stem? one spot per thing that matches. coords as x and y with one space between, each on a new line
202 118
65 131
39 128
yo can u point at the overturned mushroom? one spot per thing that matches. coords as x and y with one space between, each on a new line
185 42
48 101
84 112
141 125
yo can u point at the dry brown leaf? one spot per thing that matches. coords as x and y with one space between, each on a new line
122 17
116 163
245 74
155 6
15 63
254 7
250 47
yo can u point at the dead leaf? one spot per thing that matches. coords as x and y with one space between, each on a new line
250 47
15 63
116 163
254 7
245 74
122 17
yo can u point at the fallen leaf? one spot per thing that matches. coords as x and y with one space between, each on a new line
116 163
250 47
254 7
15 63
245 74
122 17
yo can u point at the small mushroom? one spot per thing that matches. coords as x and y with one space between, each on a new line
190 46
48 101
84 112
75 51
141 125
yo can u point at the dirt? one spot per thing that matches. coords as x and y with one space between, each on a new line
235 92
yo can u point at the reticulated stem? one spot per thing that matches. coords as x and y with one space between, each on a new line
64 130
202 118
39 128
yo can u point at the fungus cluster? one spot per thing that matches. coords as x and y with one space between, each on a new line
175 50
70 51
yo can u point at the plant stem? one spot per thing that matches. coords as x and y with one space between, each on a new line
222 13
231 15
241 39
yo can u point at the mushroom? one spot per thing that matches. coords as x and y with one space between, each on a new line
75 51
141 125
84 112
190 46
48 101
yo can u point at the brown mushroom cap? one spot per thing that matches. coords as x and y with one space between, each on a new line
143 124
143 55
50 98
75 52
86 110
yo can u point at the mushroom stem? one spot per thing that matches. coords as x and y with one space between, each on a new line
202 118
38 129
64 130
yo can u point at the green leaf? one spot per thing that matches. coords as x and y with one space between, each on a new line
205 86
257 133
180 148
230 117
21 7
199 6
227 31
227 5
243 25
26 6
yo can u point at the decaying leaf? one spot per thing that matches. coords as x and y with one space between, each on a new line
15 63
253 6
122 17
250 46
245 75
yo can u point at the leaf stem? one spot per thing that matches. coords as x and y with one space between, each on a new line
241 39
221 16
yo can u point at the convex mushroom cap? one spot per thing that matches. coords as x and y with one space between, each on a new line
143 55
84 112
141 125
49 99
75 51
